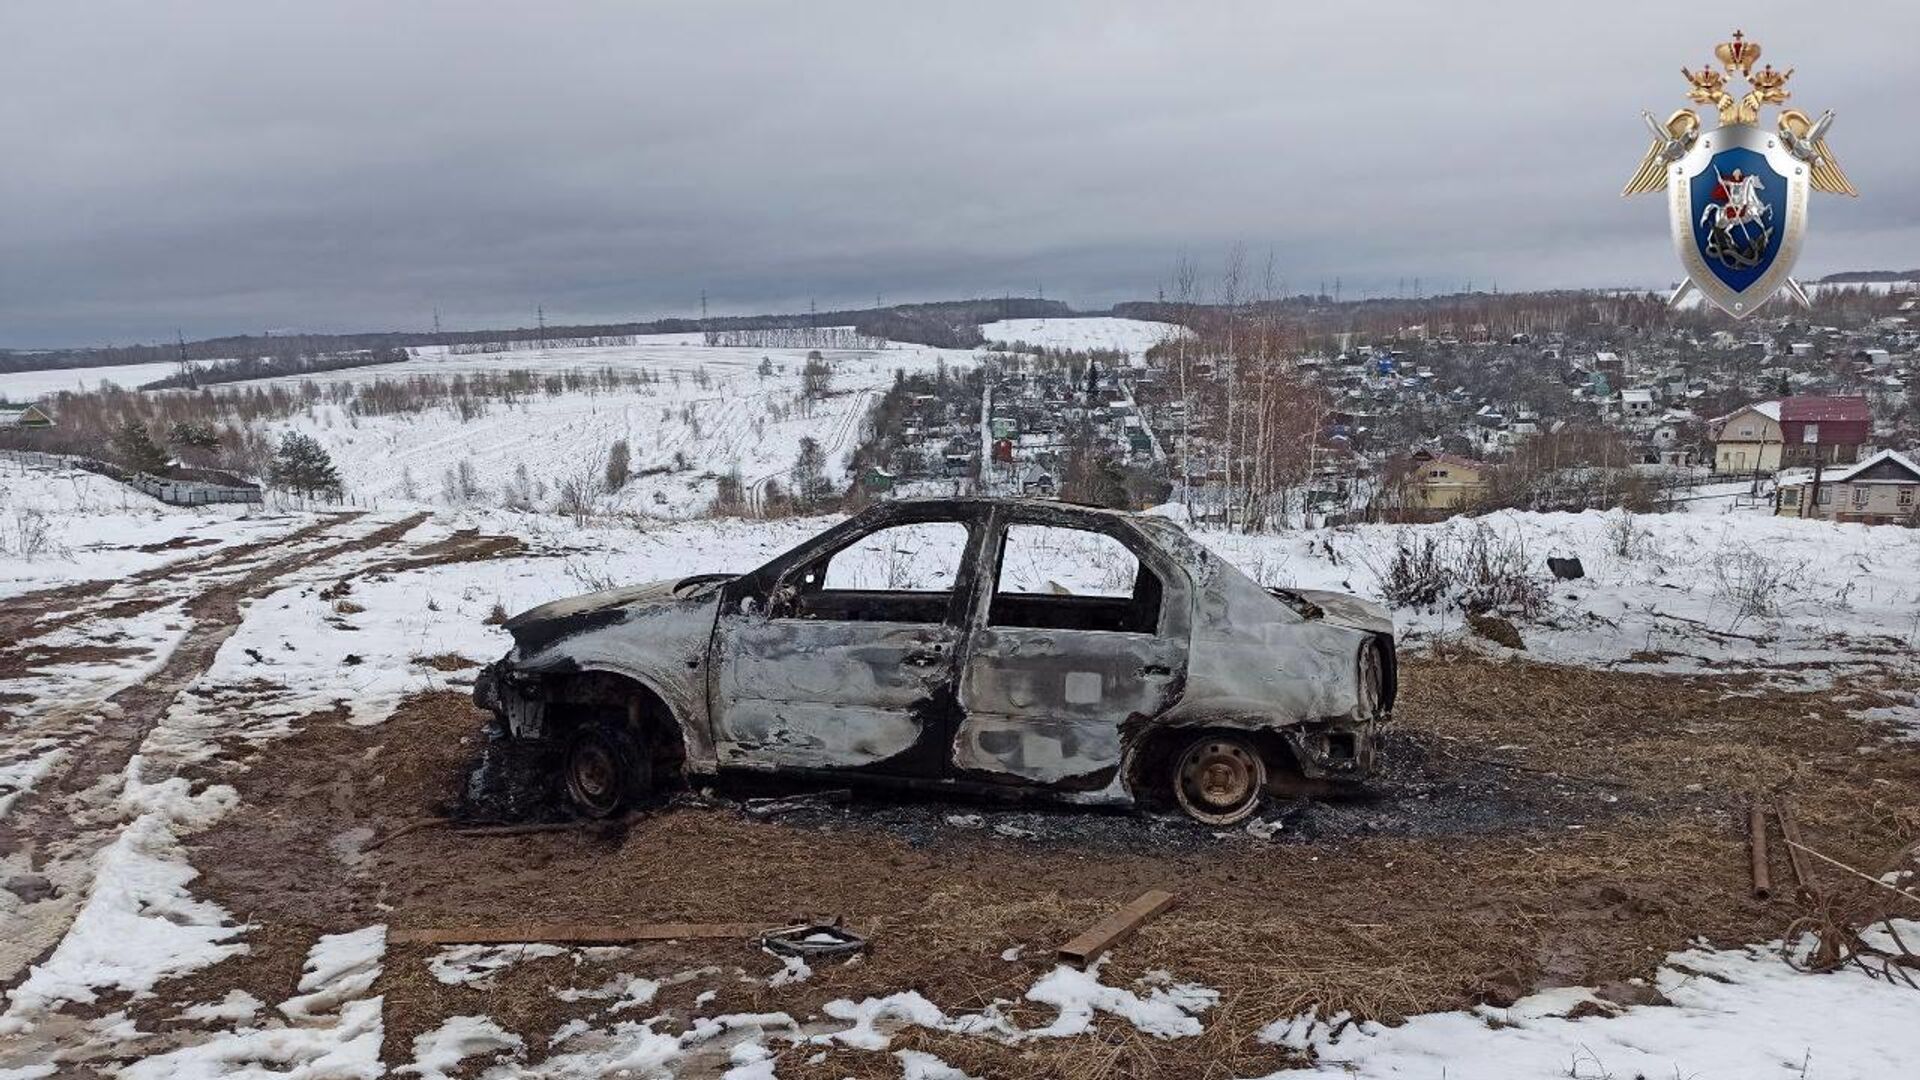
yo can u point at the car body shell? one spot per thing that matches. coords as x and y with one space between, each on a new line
758 674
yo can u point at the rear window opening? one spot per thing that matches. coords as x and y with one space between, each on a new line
1057 578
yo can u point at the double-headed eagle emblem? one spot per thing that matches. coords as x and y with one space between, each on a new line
1737 195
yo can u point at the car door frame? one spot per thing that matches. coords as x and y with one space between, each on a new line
938 713
1168 648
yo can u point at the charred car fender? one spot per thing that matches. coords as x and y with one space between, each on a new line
655 636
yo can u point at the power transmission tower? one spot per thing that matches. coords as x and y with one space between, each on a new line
540 315
436 322
186 368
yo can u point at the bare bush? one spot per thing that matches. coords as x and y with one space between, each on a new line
459 485
1751 582
1479 571
1626 537
27 536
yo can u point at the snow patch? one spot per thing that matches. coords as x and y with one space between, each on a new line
454 1041
475 965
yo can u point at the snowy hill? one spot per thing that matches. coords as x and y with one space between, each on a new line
709 411
1131 336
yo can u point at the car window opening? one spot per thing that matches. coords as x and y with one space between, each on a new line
1105 588
903 574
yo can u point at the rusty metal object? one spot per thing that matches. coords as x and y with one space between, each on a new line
1087 946
1218 780
1757 845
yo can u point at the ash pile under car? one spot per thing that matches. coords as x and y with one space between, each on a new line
974 645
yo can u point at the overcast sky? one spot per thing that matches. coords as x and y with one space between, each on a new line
334 165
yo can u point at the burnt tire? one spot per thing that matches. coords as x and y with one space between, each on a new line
1218 779
605 769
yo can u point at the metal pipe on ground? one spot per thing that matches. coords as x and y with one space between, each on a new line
1757 844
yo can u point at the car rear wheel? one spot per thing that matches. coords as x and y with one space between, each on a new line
606 769
1217 779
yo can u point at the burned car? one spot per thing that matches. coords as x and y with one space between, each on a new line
969 644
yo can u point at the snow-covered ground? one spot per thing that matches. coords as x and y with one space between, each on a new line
58 526
711 411
1661 592
1735 1014
1131 336
17 386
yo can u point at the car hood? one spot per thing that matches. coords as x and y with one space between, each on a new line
1338 608
539 627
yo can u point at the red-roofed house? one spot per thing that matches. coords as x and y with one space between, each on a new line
1791 432
1828 429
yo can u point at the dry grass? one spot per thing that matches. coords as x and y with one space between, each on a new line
1384 926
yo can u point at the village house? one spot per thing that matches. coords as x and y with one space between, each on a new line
1791 432
1445 482
24 416
1882 490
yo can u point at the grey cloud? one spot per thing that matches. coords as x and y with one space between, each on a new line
233 166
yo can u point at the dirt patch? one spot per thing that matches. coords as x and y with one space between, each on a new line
25 661
1536 826
447 661
178 543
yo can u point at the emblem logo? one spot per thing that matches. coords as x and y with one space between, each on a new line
1737 195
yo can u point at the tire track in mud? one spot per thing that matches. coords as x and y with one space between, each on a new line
36 614
46 822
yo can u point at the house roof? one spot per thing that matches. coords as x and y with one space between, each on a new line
1896 457
1808 409
1768 409
16 415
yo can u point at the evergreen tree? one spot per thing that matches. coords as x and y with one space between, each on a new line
137 450
810 484
192 435
301 464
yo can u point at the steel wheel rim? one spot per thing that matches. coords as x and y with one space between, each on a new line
1219 780
593 776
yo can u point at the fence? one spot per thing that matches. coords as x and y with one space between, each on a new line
191 492
172 492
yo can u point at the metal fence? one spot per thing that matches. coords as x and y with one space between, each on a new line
172 492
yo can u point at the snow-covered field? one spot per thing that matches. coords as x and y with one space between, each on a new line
1131 336
710 412
1682 592
20 386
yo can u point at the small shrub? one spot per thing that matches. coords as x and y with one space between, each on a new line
1479 573
619 465
1751 582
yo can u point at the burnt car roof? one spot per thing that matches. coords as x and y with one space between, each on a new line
973 501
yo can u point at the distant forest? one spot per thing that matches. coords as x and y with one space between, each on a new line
948 324
1851 277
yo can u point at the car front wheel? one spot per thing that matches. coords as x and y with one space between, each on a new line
606 769
1218 779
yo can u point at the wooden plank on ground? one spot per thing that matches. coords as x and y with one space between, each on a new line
1115 928
575 933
